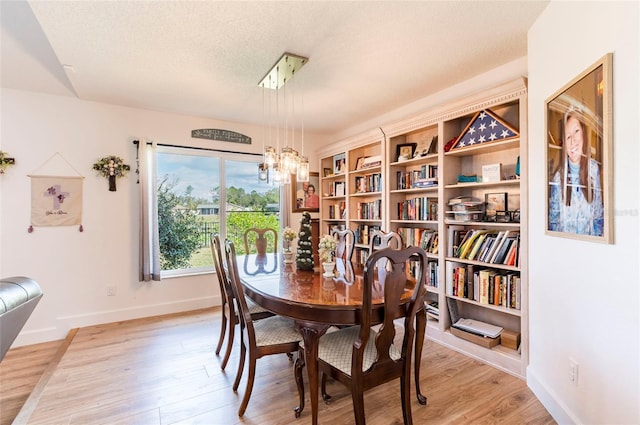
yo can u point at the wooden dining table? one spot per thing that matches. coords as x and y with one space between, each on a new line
315 303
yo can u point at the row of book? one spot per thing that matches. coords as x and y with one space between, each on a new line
369 183
426 176
337 189
361 256
362 233
338 211
488 246
426 239
369 210
486 286
421 208
431 277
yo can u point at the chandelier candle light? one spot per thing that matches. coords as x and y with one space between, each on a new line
277 167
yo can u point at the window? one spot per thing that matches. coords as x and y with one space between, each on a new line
193 188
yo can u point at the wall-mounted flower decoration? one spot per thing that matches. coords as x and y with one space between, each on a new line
111 167
5 161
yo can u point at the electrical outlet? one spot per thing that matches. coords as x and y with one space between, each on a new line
573 371
111 290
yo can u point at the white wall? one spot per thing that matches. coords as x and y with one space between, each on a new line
75 268
584 299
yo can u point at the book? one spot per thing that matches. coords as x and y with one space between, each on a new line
491 239
466 247
484 286
494 246
492 259
470 276
476 246
511 255
499 258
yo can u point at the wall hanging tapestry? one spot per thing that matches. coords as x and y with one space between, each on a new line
56 200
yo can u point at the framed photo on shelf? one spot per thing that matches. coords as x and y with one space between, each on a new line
360 163
405 151
326 172
496 203
578 125
305 194
340 163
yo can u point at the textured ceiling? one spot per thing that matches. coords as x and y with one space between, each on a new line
206 58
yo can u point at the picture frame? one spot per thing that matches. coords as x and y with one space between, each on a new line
340 163
495 203
326 172
309 202
405 149
360 163
578 131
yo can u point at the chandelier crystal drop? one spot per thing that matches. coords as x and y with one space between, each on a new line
280 163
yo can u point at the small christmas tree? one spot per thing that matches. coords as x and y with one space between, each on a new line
304 255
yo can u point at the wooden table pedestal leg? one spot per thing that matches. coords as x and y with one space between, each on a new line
311 333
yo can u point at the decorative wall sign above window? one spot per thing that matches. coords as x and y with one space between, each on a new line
221 135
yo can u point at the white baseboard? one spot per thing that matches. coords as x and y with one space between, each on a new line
65 323
549 399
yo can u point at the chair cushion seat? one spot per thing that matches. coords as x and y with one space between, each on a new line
275 330
336 348
254 308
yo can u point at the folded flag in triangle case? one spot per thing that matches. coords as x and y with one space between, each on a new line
485 127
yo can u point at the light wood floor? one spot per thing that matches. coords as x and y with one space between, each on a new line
163 370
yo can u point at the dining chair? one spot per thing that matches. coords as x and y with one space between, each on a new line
260 239
362 358
380 239
273 335
229 309
345 243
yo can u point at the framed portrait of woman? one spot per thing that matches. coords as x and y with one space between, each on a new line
305 195
578 124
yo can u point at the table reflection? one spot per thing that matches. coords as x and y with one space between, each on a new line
260 263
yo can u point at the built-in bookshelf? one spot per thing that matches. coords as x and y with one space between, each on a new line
353 183
437 178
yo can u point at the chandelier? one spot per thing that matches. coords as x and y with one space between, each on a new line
281 159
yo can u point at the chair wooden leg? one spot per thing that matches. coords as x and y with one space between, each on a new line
223 330
299 365
358 407
405 394
232 327
323 389
250 379
243 355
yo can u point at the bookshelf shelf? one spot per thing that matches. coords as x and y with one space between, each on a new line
484 148
433 189
510 311
513 182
